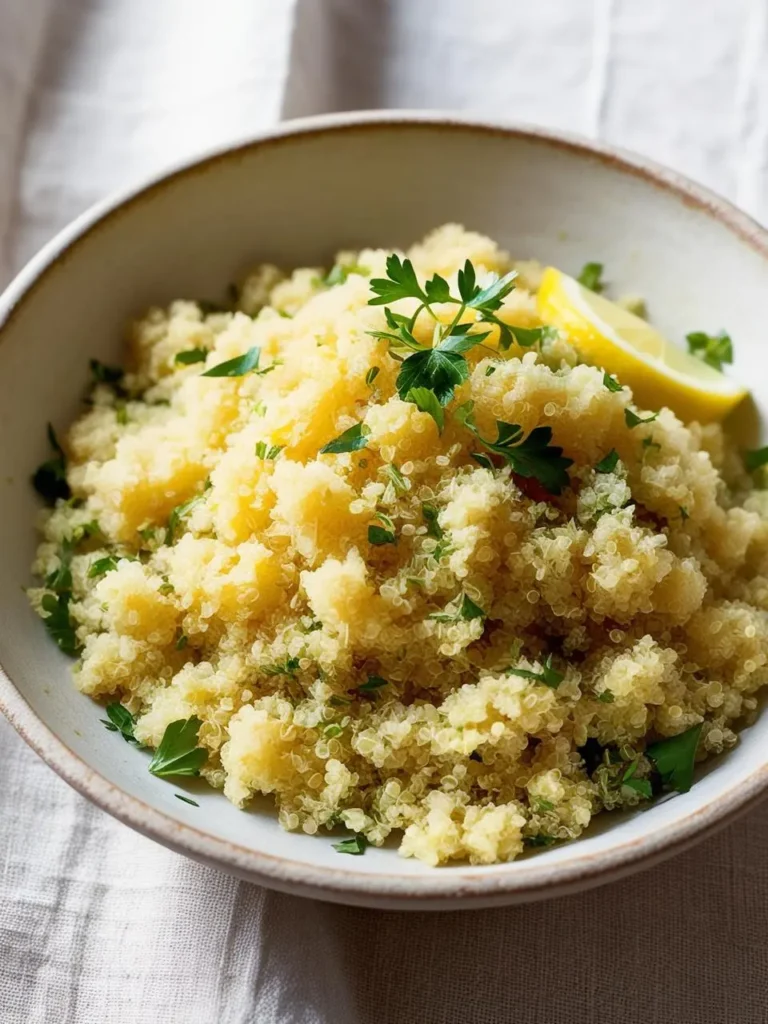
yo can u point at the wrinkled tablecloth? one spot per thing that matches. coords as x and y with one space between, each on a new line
98 924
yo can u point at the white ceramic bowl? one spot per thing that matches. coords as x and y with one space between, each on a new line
294 196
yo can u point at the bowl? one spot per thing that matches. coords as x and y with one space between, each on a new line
294 196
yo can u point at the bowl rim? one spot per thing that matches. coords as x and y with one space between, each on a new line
444 888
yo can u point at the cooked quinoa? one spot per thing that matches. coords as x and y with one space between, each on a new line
369 679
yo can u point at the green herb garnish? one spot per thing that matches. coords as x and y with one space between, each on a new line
633 420
58 622
674 758
352 440
606 697
540 840
356 845
180 512
182 642
192 355
50 478
608 463
372 684
237 367
268 452
641 786
371 376
466 611
591 275
430 514
549 675
283 668
102 566
385 534
426 401
178 753
713 349
399 483
186 800
332 730
103 374
611 382
755 459
120 720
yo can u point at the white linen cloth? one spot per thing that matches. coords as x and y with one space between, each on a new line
98 924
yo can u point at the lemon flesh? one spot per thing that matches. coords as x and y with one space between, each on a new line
658 373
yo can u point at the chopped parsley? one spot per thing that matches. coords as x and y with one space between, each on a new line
332 730
399 483
539 840
372 684
591 276
58 622
378 535
608 463
489 371
283 668
371 376
713 349
606 697
355 845
180 512
352 440
641 786
237 367
633 420
755 459
549 675
466 611
178 752
186 799
426 401
102 566
120 719
649 443
684 513
103 374
430 514
182 642
529 456
60 580
674 758
339 273
50 478
611 382
192 355
268 452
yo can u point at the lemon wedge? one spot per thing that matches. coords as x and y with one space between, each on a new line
618 341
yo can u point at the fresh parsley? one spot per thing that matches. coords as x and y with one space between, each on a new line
641 786
120 719
674 758
591 276
466 611
608 463
50 478
58 622
103 374
283 668
190 356
611 382
427 401
713 349
371 376
529 456
384 534
372 684
549 675
399 483
237 367
355 845
186 799
633 420
430 514
755 459
268 452
180 512
178 752
606 697
352 440
339 273
102 566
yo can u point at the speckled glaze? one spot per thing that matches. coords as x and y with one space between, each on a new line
294 196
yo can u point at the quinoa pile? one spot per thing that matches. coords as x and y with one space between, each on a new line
397 637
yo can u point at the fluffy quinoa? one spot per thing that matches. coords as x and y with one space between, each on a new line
266 609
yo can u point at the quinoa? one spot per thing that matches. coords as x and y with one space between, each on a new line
313 657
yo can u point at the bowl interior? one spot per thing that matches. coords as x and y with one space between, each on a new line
295 200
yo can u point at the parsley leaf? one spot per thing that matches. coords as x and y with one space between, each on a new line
611 382
674 758
378 535
531 456
181 511
606 697
372 684
641 786
466 611
237 367
120 720
283 668
178 752
400 283
430 514
633 420
608 463
186 799
371 376
102 566
58 622
426 401
60 579
713 349
50 478
191 355
355 845
352 440
489 299
755 459
591 276
548 675
269 452
339 273
103 374
435 369
399 483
